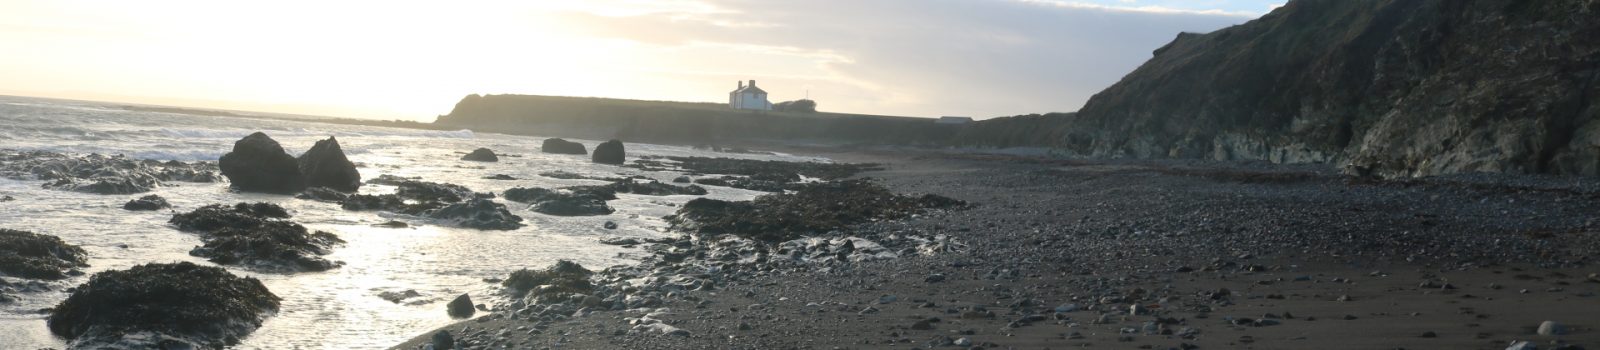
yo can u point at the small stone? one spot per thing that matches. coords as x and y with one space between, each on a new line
744 326
922 325
963 342
461 307
1522 345
1067 308
443 341
887 299
610 225
1548 328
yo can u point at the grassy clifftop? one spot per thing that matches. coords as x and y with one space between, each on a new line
680 122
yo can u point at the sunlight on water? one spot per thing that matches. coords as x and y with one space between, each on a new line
337 309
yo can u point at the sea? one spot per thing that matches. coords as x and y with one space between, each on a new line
340 308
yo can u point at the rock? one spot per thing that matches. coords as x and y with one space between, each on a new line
442 340
563 277
185 304
610 152
933 278
6 198
619 241
573 206
885 299
30 255
396 297
1067 308
1549 328
99 174
610 225
559 146
392 224
499 177
922 325
481 155
1522 345
532 195
256 236
323 194
962 342
682 180
258 164
812 208
482 214
146 203
461 307
326 166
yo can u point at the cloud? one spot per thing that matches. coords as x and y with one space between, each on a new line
928 58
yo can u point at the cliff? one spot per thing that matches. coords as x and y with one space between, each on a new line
1382 87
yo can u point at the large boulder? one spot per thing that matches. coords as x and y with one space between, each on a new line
461 307
162 306
481 155
558 281
326 166
559 146
610 152
258 164
30 255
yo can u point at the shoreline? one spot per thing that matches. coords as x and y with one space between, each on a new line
1151 253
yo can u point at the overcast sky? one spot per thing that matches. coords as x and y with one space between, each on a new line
414 60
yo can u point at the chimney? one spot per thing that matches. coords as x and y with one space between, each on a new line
741 84
752 83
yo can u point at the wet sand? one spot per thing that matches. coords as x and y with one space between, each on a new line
1155 255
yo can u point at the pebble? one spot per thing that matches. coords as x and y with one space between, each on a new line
1549 328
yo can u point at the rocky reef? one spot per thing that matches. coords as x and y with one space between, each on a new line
1379 88
100 174
482 214
257 236
162 306
812 209
562 202
34 256
560 146
451 204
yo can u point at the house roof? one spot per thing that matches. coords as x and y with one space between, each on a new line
750 89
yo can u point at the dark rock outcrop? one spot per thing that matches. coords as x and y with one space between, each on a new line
184 305
559 146
481 155
146 203
813 208
257 236
258 164
1381 88
461 307
326 166
557 281
652 188
323 194
482 214
562 202
609 152
30 255
100 174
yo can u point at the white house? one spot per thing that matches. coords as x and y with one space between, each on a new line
953 120
749 97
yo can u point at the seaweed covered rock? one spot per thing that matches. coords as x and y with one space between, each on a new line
146 203
323 194
610 152
481 155
256 236
482 214
100 174
162 306
258 164
812 209
652 188
562 278
744 183
559 146
563 202
30 255
326 166
424 191
573 206
771 170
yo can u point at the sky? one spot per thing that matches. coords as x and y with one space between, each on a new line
414 59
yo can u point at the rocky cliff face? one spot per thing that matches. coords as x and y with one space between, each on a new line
1383 87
